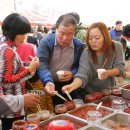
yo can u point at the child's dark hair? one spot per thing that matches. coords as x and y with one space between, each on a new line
126 31
127 53
15 24
125 47
123 42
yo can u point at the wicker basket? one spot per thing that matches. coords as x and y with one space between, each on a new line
46 101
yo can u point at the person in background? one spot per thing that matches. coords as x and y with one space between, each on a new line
32 39
117 31
103 53
26 51
39 33
45 31
13 73
81 30
59 51
126 50
126 37
10 104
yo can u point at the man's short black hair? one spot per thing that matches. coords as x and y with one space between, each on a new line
118 22
15 24
126 31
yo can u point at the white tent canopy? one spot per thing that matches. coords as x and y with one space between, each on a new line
49 10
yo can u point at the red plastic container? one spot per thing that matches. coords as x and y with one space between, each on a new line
31 127
61 125
19 124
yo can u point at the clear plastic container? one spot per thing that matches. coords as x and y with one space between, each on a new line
93 116
43 115
118 104
33 118
78 102
116 92
107 91
61 108
19 124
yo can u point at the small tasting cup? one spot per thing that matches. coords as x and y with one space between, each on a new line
118 104
19 124
60 74
78 102
61 108
94 116
100 71
43 115
33 118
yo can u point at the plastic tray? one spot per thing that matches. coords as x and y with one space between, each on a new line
77 122
117 121
107 101
81 112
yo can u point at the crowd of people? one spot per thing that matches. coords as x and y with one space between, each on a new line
30 61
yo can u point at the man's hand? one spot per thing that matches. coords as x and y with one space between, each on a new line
50 88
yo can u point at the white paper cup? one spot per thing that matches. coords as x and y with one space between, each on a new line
100 71
60 74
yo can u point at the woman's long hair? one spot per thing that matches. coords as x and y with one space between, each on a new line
108 47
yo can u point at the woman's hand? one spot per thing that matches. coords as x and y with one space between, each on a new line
77 82
31 100
69 88
34 64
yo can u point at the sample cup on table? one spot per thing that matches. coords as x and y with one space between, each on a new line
78 102
19 124
94 116
33 118
43 115
118 104
61 108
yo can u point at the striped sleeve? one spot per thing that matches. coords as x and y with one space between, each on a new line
9 77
